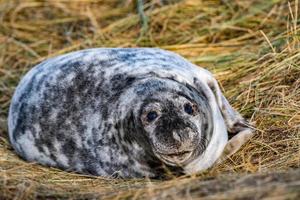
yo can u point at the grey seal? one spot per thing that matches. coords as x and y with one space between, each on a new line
123 112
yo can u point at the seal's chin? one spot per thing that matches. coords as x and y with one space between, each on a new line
175 159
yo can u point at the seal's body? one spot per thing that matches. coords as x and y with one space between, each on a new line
127 112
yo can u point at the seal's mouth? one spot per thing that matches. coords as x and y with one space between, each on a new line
177 158
177 154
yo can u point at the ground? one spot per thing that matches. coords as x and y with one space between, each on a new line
252 47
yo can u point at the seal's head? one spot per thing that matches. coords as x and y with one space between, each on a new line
174 117
172 125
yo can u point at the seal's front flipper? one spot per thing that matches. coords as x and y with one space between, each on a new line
239 130
235 143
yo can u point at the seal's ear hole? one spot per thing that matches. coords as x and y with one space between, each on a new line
190 109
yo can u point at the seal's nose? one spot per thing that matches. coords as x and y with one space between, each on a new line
183 137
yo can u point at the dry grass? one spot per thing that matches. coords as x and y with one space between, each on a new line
251 46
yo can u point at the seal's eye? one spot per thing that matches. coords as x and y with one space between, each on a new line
190 109
151 116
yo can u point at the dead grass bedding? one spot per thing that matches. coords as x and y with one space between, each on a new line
251 46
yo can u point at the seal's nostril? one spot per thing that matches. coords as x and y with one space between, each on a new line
182 136
176 136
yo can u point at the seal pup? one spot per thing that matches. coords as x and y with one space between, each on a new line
123 112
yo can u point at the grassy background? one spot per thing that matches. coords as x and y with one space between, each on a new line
251 46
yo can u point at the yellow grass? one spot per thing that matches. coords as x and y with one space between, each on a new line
251 46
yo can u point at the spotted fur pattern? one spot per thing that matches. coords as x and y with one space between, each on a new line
82 112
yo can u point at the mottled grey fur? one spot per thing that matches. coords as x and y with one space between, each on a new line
87 111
